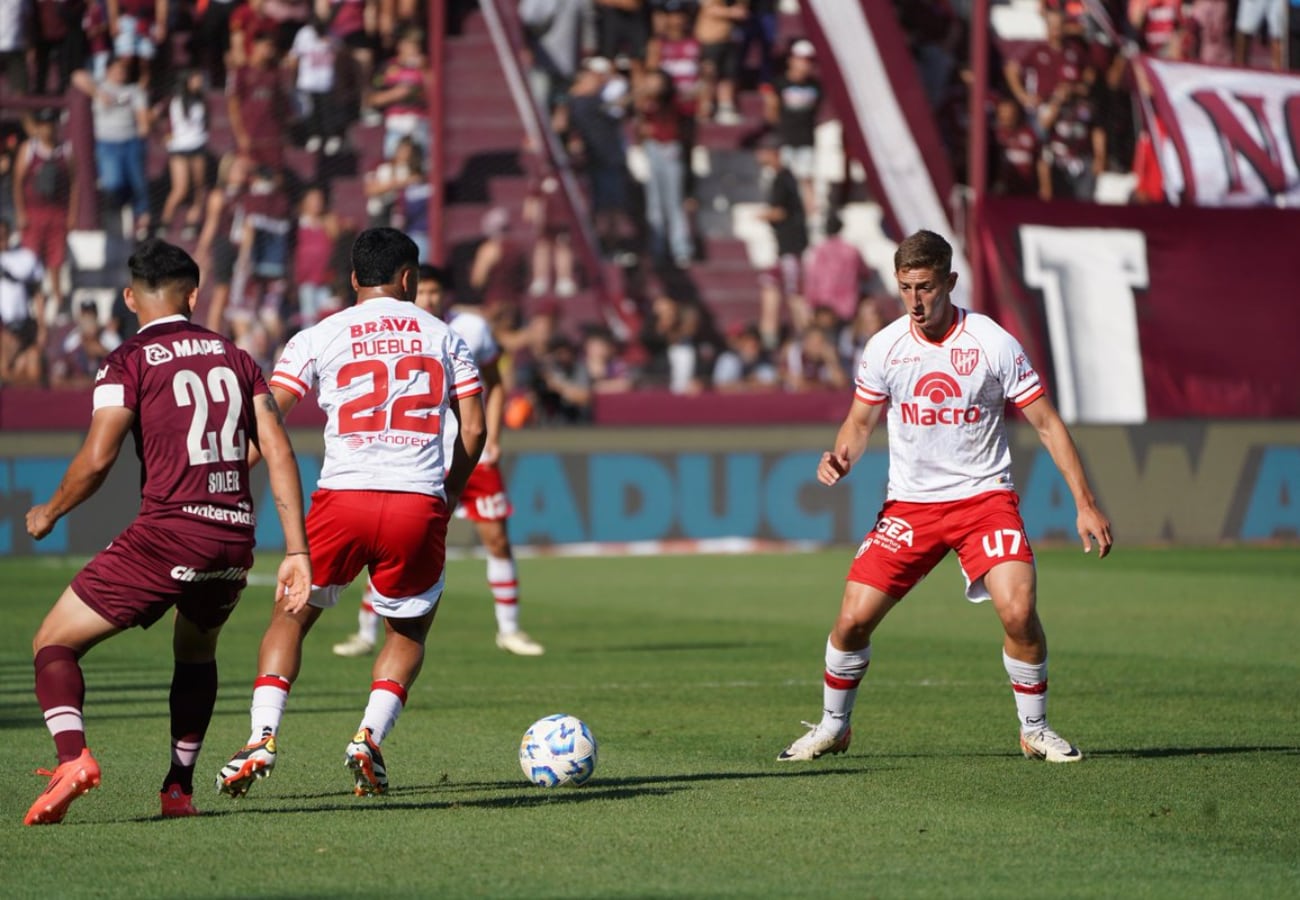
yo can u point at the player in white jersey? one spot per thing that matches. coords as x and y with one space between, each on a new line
389 376
484 501
945 375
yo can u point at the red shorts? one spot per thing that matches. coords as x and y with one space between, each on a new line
400 538
485 497
909 539
147 570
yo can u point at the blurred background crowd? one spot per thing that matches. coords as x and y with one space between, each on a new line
262 134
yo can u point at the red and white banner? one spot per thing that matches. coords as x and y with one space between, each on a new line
1236 132
1146 313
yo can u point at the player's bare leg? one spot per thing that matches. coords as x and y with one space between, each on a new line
395 670
362 642
1013 586
848 653
503 582
192 700
279 660
69 630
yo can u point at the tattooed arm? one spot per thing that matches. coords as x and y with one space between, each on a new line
273 444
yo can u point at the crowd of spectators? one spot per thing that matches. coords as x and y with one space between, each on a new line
1064 111
631 88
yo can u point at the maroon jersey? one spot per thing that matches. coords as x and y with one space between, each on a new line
263 109
681 60
1018 152
48 182
192 393
1043 67
1070 139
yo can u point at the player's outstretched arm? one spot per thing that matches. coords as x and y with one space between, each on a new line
850 441
108 429
286 487
1091 522
470 439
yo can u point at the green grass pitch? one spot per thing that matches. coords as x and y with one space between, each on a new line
1177 672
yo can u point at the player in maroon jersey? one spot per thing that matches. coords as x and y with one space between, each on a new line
194 403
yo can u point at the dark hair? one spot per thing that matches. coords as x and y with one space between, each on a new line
924 250
436 273
189 99
834 224
379 254
157 264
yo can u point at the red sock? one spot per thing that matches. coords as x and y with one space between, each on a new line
61 692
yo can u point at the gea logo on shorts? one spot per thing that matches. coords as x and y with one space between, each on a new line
892 531
938 387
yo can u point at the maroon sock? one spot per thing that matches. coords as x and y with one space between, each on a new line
193 697
61 692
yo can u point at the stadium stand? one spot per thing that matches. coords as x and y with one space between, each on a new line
328 103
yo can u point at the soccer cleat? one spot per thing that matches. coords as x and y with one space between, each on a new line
1047 744
355 645
251 763
68 781
519 643
816 743
367 764
176 804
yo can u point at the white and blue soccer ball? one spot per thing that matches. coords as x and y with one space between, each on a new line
558 750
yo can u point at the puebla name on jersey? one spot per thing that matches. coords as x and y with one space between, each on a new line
386 373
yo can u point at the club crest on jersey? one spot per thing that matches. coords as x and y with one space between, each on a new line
157 354
965 361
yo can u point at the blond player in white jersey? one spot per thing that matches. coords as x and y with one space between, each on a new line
945 375
389 377
484 501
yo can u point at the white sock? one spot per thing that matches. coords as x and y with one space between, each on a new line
1029 686
844 672
367 619
270 694
184 753
503 581
386 701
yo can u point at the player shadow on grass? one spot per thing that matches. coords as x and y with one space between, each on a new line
1163 752
672 646
435 796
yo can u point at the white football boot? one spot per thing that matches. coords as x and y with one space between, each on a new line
1047 744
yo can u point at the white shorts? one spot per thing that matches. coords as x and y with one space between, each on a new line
134 38
801 161
1251 13
401 608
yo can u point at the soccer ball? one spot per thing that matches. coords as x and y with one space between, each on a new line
558 750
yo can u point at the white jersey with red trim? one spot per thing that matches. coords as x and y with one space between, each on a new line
946 419
386 373
477 334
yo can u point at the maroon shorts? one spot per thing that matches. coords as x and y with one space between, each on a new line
46 235
786 276
148 569
484 499
909 539
401 538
